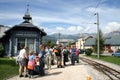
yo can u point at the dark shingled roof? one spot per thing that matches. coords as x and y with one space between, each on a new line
107 40
90 41
113 40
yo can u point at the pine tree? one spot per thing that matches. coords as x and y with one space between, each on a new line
101 43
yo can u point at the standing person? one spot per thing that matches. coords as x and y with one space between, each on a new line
41 60
36 57
52 57
58 56
37 64
23 62
48 56
31 64
65 55
73 56
77 55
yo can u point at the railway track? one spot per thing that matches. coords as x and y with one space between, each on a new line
109 72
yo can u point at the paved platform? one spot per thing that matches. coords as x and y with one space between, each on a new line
79 71
76 72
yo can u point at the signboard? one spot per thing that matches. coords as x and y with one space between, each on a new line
25 35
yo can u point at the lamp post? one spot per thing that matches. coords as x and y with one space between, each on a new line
98 41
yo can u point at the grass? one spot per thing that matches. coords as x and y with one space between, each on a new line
111 59
8 68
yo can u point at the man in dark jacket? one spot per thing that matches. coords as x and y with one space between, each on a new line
73 51
59 57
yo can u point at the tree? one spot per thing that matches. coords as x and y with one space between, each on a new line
101 43
50 43
1 50
69 44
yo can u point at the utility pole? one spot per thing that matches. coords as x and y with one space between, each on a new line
98 41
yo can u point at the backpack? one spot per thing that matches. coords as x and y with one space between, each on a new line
55 50
18 59
64 51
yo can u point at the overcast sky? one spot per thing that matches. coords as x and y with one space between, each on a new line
64 16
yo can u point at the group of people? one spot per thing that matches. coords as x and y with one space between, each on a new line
34 63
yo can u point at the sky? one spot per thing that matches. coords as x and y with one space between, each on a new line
64 16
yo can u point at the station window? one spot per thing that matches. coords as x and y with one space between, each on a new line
21 43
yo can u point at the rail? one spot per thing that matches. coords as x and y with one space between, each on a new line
110 72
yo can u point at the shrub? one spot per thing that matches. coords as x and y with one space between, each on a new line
88 51
1 50
81 51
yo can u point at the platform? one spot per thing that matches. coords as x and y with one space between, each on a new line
79 71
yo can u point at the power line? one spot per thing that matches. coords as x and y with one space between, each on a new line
91 16
97 6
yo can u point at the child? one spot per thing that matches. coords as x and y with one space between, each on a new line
37 64
31 64
36 57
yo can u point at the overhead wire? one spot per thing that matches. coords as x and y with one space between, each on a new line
97 6
93 12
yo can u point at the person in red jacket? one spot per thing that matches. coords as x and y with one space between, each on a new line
77 55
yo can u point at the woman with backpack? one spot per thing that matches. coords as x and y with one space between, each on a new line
31 64
65 55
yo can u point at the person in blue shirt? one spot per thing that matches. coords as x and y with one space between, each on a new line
41 60
31 64
73 51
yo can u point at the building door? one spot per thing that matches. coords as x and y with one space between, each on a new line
30 44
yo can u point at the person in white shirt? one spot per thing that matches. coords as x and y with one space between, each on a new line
23 63
48 56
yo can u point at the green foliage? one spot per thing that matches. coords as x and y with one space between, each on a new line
69 44
1 50
8 68
50 43
101 43
88 52
111 59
